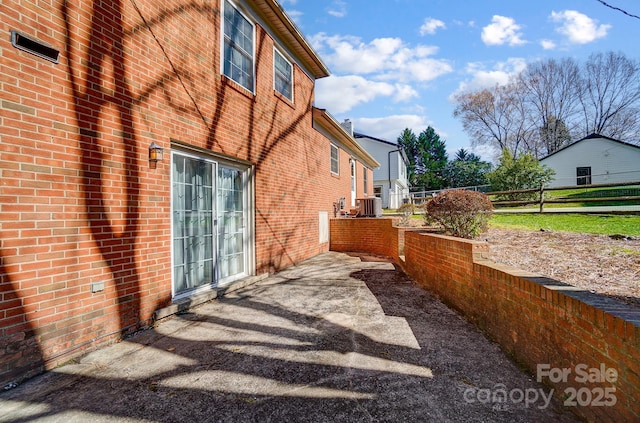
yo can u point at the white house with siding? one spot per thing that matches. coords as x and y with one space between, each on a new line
390 180
595 159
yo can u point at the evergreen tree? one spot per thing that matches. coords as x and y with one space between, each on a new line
467 170
427 156
409 143
464 156
433 153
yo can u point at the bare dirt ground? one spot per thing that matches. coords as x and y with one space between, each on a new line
598 263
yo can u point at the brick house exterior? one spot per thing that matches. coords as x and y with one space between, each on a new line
94 237
352 167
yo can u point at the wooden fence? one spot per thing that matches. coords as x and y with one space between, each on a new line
540 196
537 196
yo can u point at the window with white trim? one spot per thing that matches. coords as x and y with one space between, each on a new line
335 160
366 180
282 75
238 47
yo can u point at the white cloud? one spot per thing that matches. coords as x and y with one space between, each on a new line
458 22
431 25
548 44
424 70
404 93
502 30
384 58
389 128
339 94
351 55
487 152
338 9
578 27
481 77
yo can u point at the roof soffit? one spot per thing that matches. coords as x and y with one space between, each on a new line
273 14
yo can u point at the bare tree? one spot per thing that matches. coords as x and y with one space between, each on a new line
496 116
550 87
625 126
610 96
554 102
554 134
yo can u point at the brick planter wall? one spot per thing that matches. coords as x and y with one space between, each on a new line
538 321
371 235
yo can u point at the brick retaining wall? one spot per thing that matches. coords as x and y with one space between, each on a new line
371 235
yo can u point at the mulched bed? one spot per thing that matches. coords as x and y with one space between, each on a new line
608 265
597 263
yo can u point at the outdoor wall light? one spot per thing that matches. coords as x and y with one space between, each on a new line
156 153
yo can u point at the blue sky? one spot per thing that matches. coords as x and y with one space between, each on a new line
395 64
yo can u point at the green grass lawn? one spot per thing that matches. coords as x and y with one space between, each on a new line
578 193
604 193
628 225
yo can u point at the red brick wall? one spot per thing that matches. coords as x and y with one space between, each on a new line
79 201
342 181
371 235
536 320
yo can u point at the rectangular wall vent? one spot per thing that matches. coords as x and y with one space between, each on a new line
40 49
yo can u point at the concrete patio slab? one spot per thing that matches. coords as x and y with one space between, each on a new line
338 338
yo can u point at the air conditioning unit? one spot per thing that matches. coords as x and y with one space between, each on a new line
370 207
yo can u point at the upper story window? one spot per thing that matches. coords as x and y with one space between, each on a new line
282 75
335 163
238 47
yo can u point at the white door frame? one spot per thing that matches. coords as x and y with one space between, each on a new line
248 222
352 165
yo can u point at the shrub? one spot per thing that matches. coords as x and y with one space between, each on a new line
406 210
462 213
521 173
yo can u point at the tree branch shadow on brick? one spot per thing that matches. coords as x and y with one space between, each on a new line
21 355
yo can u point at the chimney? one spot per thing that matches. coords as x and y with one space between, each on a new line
348 126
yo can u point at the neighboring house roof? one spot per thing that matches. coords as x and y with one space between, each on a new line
324 119
289 33
361 135
591 137
357 135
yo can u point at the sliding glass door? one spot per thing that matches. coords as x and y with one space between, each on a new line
231 221
209 223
